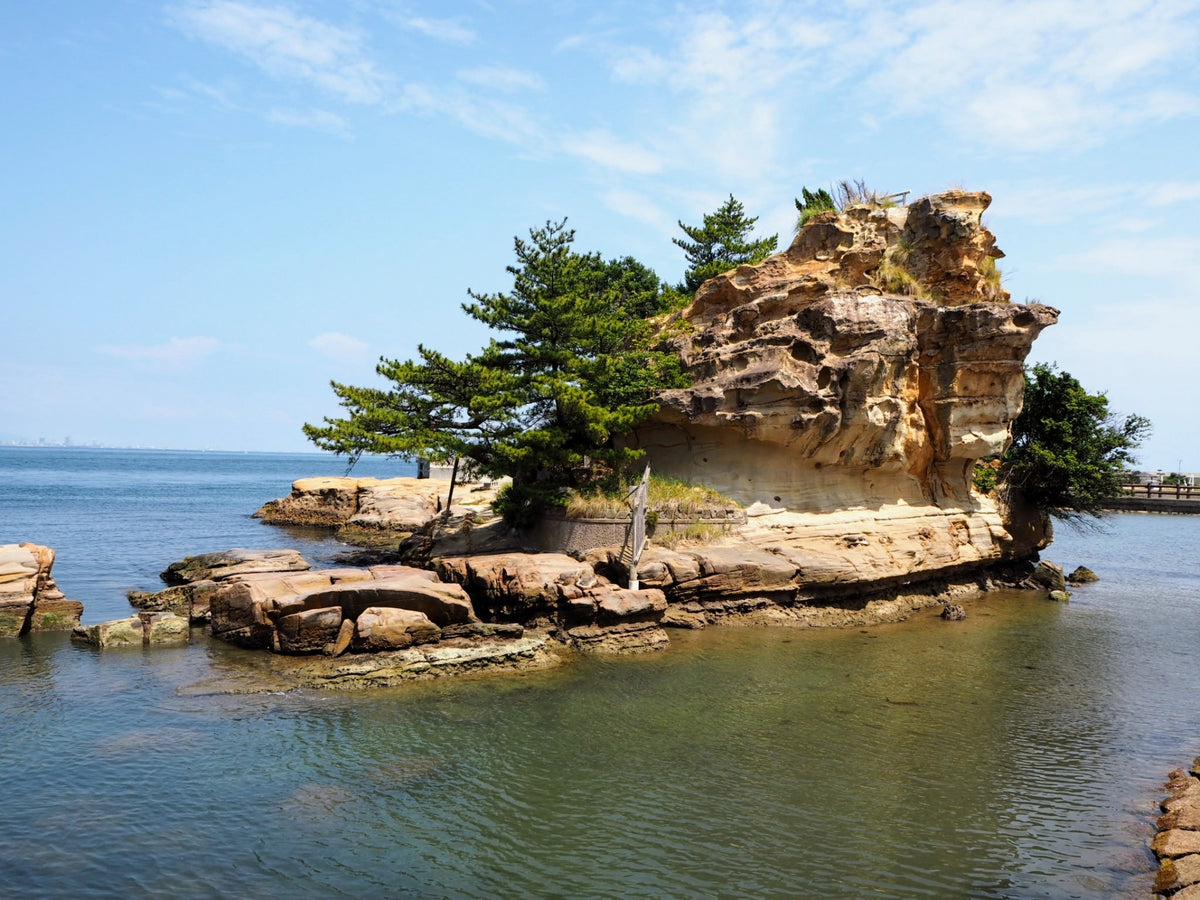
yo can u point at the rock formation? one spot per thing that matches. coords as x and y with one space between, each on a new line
373 504
842 393
854 414
29 597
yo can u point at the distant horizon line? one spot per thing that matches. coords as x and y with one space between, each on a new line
59 445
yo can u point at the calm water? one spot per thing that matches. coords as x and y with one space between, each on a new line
1017 754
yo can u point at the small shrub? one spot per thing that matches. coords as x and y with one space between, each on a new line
892 275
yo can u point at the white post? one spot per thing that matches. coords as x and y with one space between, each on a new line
638 538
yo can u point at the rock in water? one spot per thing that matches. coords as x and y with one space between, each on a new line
29 597
1082 575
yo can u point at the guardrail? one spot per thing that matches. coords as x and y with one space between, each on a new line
1162 491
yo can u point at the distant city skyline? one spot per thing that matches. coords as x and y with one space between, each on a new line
214 207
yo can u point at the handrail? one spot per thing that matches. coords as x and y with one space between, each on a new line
1163 491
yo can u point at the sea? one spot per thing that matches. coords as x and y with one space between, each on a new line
1019 753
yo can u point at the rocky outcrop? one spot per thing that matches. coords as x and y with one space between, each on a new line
401 505
563 594
144 629
852 413
29 597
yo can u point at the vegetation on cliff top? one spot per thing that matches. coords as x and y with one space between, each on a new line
721 243
1069 451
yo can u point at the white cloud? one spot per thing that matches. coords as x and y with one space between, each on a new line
638 206
612 152
452 31
340 347
510 122
1171 192
1176 259
1033 75
316 119
174 353
503 78
287 45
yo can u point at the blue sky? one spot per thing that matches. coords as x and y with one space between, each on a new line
213 207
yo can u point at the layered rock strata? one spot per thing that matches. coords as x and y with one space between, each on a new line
853 414
296 610
373 504
29 597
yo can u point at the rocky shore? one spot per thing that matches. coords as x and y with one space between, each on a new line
1177 843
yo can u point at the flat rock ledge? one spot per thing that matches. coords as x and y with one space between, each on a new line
351 627
29 597
1177 844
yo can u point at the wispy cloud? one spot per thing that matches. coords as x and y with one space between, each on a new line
285 44
510 122
1175 259
638 206
316 119
452 30
608 150
340 347
503 78
1033 75
176 352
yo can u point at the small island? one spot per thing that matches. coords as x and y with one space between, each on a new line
814 437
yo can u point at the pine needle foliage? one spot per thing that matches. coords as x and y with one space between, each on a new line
574 364
1069 452
721 243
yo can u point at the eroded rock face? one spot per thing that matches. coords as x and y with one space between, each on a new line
375 504
858 412
29 597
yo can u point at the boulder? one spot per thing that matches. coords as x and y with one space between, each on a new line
144 629
30 600
117 633
1059 596
953 612
443 604
522 587
1176 842
389 628
1048 576
1082 575
1176 873
310 630
229 564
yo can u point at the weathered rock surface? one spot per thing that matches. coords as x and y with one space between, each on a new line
385 628
144 629
1082 575
389 504
229 564
1177 844
859 412
30 599
553 590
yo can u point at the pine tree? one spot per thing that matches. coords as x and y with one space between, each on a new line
720 244
573 365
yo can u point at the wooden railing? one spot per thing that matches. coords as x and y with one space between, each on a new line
1163 491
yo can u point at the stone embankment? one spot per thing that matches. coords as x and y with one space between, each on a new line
29 597
1177 844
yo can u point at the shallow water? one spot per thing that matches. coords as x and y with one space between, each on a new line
1016 754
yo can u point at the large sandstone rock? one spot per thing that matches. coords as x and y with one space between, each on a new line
387 504
385 628
229 564
856 413
29 597
144 629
